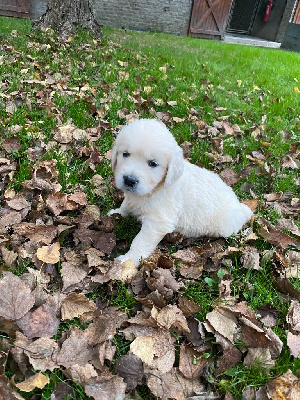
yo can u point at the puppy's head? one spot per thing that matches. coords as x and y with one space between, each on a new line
146 156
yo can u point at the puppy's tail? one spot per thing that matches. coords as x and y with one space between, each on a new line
240 214
247 211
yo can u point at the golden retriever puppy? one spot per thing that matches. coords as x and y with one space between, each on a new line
166 193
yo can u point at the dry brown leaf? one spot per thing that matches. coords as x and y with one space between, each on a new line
36 381
105 325
16 299
285 387
275 236
94 257
229 176
64 134
293 316
143 347
72 275
37 233
130 368
103 241
251 258
63 391
188 307
40 322
191 363
224 322
75 350
290 162
49 254
13 218
6 391
11 144
41 353
9 257
171 317
293 342
253 336
293 269
82 373
111 388
78 198
231 354
166 279
288 224
18 203
165 386
259 357
76 304
18 352
187 256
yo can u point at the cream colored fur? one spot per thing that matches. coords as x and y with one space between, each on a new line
167 193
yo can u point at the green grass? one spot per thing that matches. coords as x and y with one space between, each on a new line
142 72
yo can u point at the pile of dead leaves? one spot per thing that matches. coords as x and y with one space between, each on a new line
170 350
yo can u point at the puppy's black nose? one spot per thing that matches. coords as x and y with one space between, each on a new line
130 181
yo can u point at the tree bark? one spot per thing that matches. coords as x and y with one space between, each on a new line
65 16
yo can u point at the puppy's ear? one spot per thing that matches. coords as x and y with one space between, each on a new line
175 167
114 154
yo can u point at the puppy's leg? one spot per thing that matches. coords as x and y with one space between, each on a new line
145 242
122 210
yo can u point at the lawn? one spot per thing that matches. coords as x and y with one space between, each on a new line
213 316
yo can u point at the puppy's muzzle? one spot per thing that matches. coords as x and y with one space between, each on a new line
130 181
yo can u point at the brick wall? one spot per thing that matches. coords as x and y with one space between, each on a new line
169 16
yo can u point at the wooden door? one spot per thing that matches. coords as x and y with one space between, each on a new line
15 8
209 18
296 19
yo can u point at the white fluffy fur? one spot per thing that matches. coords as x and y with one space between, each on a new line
172 194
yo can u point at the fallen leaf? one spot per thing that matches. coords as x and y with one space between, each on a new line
224 322
49 254
111 388
293 342
42 353
191 362
76 304
6 390
36 381
165 386
16 299
130 368
251 258
285 387
143 347
82 373
40 322
188 307
9 257
75 350
171 317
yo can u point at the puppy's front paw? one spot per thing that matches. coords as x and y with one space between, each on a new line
128 256
114 211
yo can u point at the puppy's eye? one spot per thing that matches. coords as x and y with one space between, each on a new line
152 164
126 154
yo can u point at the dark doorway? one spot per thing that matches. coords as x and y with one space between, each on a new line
269 30
242 16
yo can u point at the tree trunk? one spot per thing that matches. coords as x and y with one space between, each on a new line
65 16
